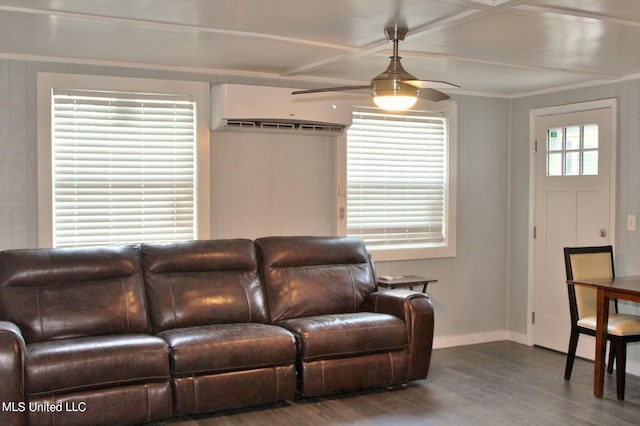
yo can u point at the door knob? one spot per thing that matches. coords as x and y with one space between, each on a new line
603 233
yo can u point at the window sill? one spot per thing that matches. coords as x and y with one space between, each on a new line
391 254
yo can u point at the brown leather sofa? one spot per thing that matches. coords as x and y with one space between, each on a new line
349 336
132 334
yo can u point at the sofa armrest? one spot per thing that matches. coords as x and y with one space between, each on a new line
416 310
12 351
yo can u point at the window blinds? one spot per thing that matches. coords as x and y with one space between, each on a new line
396 179
123 168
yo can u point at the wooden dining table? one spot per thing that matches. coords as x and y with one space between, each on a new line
622 288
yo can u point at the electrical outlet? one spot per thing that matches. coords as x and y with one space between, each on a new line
631 222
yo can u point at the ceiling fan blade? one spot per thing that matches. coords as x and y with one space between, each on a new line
431 84
433 95
395 79
331 89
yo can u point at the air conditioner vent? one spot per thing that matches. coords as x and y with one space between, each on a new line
323 127
276 125
241 124
284 126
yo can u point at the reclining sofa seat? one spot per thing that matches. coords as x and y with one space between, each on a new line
206 300
349 335
75 336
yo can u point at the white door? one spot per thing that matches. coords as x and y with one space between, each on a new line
574 202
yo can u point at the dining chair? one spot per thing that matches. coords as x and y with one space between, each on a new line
597 263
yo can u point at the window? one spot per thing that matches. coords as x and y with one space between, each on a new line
572 151
122 161
400 186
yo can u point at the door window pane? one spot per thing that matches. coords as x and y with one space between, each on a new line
554 142
554 164
573 138
590 163
590 137
572 164
572 151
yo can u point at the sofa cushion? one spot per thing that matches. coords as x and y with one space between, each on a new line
94 362
202 282
228 347
307 276
73 292
345 335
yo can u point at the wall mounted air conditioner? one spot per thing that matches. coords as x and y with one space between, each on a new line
247 107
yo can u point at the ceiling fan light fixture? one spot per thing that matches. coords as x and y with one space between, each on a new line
392 95
395 102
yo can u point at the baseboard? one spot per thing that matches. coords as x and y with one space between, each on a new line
472 339
632 367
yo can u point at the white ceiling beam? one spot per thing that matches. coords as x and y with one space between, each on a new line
450 21
564 11
376 46
596 74
171 25
226 73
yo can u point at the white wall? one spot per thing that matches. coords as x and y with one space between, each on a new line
284 185
18 192
272 184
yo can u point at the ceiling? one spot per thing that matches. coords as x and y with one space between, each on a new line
504 48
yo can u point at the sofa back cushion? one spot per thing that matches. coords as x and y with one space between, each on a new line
73 292
202 282
306 276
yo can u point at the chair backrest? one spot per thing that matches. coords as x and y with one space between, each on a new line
586 263
307 276
203 282
60 293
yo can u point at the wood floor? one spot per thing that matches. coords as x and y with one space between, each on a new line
499 383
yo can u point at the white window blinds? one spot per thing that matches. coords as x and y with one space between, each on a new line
123 168
396 179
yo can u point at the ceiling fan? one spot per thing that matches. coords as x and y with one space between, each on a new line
395 89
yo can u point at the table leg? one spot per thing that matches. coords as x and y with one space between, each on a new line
601 341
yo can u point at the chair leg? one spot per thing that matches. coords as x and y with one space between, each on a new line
612 354
621 363
571 354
